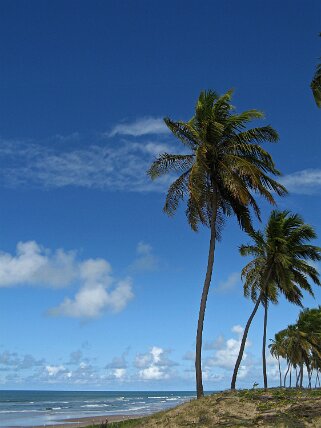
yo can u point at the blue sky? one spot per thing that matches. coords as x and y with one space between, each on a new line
99 289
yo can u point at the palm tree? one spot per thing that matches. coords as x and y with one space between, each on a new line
316 84
309 326
280 265
300 344
278 350
226 166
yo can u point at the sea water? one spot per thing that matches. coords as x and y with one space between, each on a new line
32 408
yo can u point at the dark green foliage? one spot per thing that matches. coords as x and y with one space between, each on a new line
316 85
300 344
226 159
282 254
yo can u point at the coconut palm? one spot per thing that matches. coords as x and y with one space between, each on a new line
220 175
302 349
309 326
316 84
278 351
280 264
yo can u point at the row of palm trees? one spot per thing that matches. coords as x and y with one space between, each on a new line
300 346
279 265
224 172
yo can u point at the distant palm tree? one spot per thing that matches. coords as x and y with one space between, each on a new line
280 265
316 84
226 166
300 344
309 326
278 350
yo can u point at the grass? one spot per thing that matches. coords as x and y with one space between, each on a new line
276 407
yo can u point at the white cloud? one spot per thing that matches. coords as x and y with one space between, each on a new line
238 329
119 373
229 284
143 126
225 357
98 292
306 181
54 370
36 265
153 373
145 260
154 365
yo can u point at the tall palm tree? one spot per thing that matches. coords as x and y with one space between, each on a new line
226 166
279 265
316 84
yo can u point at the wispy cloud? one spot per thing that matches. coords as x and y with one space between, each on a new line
104 165
229 284
11 360
139 127
306 181
145 260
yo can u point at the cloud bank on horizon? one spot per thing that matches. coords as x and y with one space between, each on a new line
153 365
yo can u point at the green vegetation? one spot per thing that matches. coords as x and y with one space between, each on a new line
316 85
300 345
280 265
291 408
226 166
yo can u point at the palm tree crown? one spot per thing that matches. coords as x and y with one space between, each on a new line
283 251
226 163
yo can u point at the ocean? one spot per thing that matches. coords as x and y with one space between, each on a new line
31 408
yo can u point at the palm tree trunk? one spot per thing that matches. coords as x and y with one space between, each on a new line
241 351
247 327
309 378
264 344
290 376
200 324
286 373
280 372
301 375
